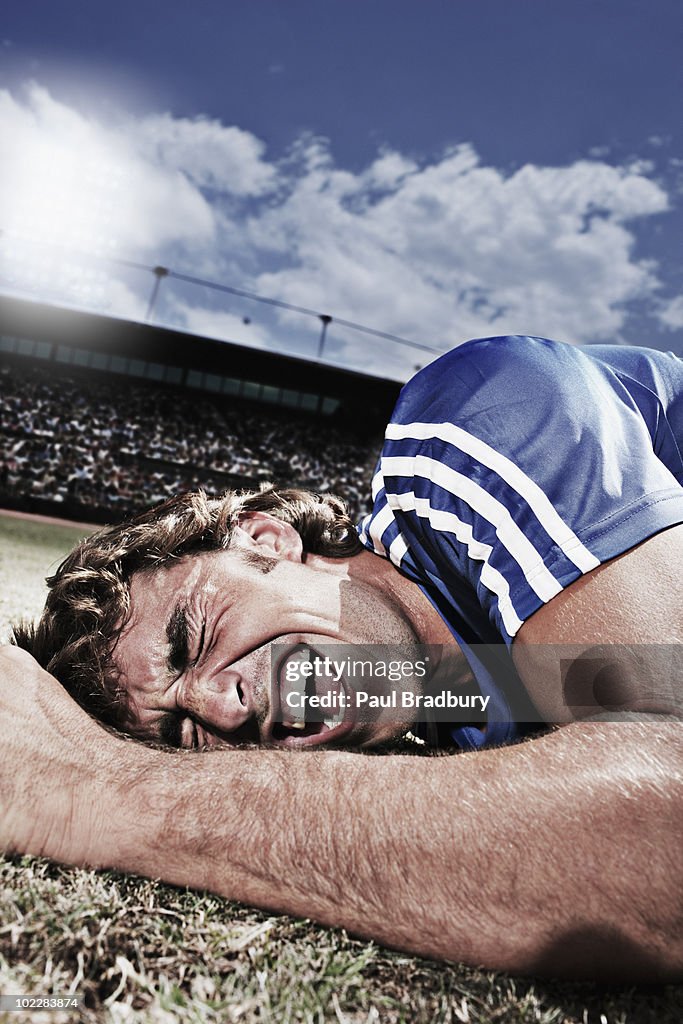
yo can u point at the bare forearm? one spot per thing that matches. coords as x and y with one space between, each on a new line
559 856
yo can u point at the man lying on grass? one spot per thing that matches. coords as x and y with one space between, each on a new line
528 493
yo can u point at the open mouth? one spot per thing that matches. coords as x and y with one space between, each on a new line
311 706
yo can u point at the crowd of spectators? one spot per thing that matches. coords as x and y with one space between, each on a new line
102 443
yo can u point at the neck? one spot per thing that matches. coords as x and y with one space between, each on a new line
380 574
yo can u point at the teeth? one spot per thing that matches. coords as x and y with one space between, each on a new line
303 687
295 717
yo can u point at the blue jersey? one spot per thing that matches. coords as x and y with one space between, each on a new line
513 465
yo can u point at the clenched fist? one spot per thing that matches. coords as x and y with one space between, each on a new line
53 758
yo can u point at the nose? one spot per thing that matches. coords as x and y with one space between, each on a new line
219 699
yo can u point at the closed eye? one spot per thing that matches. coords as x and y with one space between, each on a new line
177 635
178 630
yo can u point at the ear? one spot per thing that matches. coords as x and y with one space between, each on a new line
264 533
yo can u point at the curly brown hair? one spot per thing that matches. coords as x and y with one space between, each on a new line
88 603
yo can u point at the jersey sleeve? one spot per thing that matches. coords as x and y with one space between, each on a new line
511 467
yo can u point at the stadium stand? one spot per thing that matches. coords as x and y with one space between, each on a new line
106 446
83 442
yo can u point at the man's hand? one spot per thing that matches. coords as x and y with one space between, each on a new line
52 760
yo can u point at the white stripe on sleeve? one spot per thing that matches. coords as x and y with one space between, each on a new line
380 521
528 489
363 532
377 484
538 576
448 522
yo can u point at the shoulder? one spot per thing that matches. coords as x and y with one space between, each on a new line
500 351
509 386
491 383
487 371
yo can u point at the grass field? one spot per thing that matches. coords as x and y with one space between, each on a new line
138 950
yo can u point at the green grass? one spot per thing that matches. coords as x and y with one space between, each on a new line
29 551
141 951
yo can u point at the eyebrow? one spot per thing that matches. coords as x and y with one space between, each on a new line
177 634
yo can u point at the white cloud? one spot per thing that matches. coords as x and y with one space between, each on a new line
439 251
389 169
457 249
207 152
671 313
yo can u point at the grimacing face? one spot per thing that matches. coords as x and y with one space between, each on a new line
195 653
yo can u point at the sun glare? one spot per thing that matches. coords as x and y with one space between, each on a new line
62 207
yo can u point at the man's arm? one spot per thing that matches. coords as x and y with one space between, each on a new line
628 611
559 856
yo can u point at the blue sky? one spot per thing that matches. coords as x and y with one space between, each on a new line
435 170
